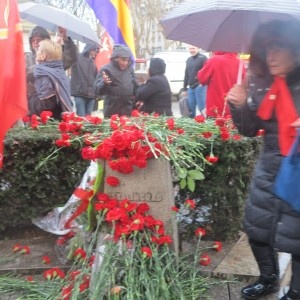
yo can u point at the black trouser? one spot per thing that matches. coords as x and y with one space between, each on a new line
267 260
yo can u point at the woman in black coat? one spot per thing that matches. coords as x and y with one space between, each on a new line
155 95
271 103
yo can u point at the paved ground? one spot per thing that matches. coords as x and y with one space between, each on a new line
43 243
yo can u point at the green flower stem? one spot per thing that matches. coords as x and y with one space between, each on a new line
194 269
98 183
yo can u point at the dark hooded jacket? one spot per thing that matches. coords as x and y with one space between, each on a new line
52 90
156 93
69 55
83 74
267 218
119 94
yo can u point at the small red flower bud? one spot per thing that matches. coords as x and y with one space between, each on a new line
200 232
218 246
204 260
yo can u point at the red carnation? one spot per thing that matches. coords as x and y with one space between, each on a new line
200 232
217 246
146 252
112 181
46 260
190 203
204 260
175 209
212 159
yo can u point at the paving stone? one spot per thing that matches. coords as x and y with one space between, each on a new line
32 263
205 248
238 263
218 292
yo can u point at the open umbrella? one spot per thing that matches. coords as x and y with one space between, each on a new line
224 25
50 18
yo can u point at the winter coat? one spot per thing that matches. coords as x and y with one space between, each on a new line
156 92
119 94
83 74
52 90
69 55
219 73
193 65
267 218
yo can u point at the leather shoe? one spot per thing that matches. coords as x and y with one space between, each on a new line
291 295
264 286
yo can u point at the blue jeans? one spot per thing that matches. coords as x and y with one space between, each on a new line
197 97
84 106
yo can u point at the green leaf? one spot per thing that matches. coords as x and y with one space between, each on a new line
182 183
191 184
197 175
182 172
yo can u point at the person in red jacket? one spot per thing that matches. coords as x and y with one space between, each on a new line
219 73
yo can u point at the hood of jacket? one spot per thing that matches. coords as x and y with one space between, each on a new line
121 51
89 47
157 66
38 31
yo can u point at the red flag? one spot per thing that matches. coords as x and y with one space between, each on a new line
103 57
13 100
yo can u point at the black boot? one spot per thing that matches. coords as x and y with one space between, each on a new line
264 286
291 295
294 291
267 261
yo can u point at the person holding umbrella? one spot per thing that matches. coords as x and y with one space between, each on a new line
271 102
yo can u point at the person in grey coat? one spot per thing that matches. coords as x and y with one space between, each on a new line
83 75
271 102
51 85
37 35
155 95
117 83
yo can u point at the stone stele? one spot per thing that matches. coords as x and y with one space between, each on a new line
152 185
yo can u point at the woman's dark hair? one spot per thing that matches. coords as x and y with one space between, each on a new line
288 32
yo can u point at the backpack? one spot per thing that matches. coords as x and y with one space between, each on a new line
183 107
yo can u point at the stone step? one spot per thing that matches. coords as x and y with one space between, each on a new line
32 263
239 263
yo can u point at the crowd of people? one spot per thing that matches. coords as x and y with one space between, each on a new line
206 80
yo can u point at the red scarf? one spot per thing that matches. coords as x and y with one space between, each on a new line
280 99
